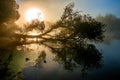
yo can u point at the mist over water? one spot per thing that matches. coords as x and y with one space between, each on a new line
56 61
74 47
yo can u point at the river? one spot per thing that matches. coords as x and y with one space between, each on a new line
38 61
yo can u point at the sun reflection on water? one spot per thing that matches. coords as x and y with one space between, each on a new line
34 56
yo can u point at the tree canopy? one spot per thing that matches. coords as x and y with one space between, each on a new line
82 26
8 11
8 15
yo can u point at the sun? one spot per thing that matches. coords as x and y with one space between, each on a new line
33 14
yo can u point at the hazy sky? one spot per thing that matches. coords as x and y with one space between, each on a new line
95 7
52 9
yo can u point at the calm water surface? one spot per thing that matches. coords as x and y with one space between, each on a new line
42 62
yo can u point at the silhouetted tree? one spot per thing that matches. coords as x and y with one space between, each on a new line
34 25
8 11
80 26
8 15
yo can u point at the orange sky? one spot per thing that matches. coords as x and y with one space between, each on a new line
51 10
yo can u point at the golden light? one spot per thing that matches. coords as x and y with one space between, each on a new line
33 14
33 32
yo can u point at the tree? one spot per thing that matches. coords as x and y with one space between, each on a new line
8 11
34 24
78 25
70 49
72 25
8 15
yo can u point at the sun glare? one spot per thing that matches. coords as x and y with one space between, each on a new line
33 14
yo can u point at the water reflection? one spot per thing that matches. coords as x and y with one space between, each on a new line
41 59
48 56
8 70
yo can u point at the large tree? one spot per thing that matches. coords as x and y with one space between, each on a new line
74 25
81 26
